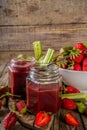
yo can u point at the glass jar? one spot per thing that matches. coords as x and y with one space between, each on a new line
42 88
18 70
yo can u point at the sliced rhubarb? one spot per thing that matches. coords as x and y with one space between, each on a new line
75 96
37 49
48 57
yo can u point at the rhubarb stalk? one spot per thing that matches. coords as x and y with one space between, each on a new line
75 96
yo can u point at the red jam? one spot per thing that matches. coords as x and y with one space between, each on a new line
42 96
18 70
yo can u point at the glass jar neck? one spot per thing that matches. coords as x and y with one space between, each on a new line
44 75
20 64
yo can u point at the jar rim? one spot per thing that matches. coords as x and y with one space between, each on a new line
45 74
21 63
41 67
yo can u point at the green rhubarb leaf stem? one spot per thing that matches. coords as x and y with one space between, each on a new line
37 49
48 57
81 107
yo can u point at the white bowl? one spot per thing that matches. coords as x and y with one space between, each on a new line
77 79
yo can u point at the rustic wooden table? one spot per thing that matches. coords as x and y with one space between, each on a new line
59 124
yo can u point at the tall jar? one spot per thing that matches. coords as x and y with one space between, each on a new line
42 88
18 70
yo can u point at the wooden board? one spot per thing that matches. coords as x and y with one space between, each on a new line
40 12
55 36
64 126
28 122
2 67
4 73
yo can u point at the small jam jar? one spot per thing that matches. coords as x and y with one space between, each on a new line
18 70
42 88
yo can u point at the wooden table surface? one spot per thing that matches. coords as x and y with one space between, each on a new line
59 124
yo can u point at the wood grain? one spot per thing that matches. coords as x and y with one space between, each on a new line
20 38
4 74
40 12
2 67
8 55
84 119
54 23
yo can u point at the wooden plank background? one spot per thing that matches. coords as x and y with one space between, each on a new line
40 12
55 23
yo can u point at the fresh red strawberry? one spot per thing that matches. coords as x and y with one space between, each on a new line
42 119
76 55
71 89
69 104
84 64
77 67
21 106
78 58
71 119
10 120
79 46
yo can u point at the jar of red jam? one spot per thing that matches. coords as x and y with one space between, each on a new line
18 70
42 88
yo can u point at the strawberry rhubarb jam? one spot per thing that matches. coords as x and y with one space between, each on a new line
43 87
18 70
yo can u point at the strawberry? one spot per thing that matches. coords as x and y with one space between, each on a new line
71 119
71 89
21 106
84 64
80 46
76 55
10 120
77 67
69 104
42 119
78 58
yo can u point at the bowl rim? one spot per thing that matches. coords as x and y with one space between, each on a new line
73 71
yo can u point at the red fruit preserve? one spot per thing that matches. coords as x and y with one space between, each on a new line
18 70
43 86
